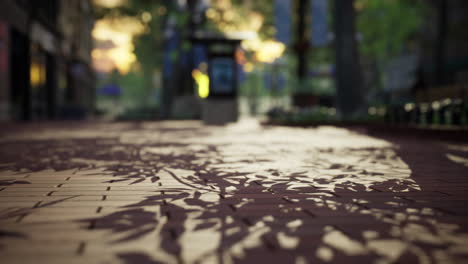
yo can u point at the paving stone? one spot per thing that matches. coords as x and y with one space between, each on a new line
181 192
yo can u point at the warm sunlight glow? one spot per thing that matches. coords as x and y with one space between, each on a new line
120 32
146 17
109 3
228 19
268 51
248 67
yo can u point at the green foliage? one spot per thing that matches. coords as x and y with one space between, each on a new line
148 51
137 85
133 87
266 8
387 25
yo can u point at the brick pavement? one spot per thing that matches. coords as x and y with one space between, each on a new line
180 192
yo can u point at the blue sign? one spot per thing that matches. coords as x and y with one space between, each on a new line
319 12
222 77
110 89
283 18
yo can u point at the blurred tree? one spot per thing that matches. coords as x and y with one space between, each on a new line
169 23
242 15
385 26
386 29
148 46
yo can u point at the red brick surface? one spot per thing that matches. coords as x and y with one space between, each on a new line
181 192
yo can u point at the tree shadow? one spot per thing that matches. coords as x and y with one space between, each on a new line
239 204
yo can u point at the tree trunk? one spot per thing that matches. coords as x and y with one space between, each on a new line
441 42
301 47
349 80
302 43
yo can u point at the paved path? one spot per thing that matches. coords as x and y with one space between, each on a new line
179 192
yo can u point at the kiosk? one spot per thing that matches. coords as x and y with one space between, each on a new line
220 107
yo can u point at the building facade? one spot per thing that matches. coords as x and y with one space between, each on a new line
45 59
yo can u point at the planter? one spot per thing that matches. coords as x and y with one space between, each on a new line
305 100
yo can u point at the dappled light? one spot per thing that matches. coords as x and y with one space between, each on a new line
233 131
176 191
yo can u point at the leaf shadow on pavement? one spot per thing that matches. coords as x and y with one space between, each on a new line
239 204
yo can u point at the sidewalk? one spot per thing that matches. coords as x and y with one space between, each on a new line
180 192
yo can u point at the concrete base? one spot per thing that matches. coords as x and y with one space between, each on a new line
219 111
5 114
186 107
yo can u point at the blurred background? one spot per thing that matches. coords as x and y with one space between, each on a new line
284 61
